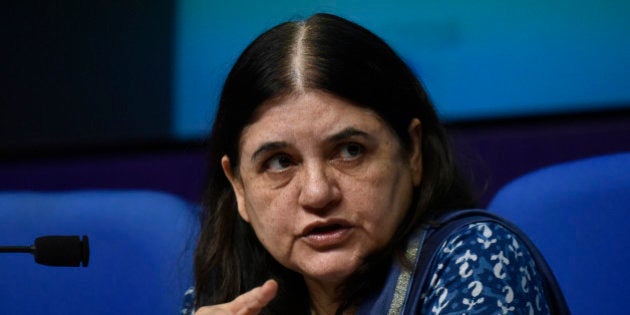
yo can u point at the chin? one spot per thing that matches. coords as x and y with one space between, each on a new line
335 271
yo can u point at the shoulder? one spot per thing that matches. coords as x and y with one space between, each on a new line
484 268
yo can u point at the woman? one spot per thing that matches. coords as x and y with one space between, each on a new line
328 161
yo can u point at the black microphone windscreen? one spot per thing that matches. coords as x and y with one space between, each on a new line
62 251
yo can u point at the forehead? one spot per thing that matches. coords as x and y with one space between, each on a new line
313 114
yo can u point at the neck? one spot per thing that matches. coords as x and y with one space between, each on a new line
323 298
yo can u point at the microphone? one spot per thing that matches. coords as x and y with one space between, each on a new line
59 251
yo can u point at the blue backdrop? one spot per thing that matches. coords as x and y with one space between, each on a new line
478 59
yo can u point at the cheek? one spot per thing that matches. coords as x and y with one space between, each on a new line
381 198
271 218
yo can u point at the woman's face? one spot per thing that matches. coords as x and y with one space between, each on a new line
323 183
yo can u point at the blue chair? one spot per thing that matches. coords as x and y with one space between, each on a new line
141 245
578 214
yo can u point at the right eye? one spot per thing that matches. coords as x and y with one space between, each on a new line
278 163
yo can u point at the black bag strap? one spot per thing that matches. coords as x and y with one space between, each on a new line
449 223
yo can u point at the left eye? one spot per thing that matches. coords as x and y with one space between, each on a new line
278 163
351 151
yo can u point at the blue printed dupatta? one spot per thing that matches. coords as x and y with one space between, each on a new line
401 293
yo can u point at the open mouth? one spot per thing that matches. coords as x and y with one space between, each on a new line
326 229
331 226
324 235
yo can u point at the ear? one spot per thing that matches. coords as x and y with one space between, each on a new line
415 156
237 187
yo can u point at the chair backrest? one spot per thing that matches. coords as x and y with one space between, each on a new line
577 213
141 246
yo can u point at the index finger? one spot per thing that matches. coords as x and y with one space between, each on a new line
252 302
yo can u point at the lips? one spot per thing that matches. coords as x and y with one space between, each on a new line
326 234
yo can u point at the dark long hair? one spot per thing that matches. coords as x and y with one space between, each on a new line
330 54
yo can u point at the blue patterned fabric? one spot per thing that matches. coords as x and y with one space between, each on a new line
484 269
189 302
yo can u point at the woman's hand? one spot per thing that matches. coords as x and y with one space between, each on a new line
249 303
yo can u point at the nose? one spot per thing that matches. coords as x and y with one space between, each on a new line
319 191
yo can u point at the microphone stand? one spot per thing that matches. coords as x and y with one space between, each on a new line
17 249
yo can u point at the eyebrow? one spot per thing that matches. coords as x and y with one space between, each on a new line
277 145
347 133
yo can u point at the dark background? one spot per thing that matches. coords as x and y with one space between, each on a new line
85 73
